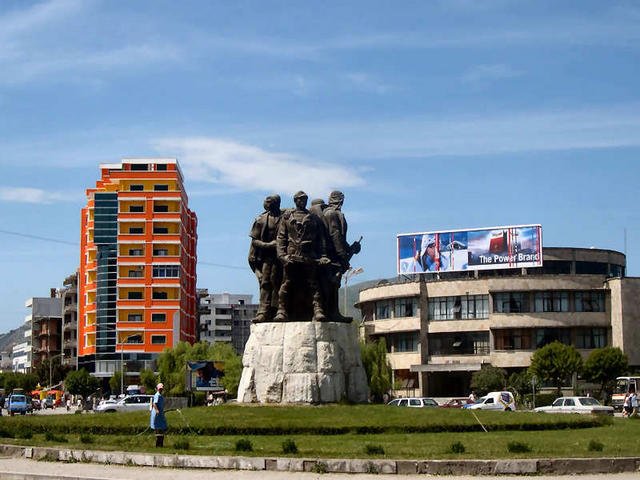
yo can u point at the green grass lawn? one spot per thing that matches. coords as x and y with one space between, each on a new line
337 431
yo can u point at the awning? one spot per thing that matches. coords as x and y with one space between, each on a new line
447 367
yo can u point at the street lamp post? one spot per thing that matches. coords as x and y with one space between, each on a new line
351 272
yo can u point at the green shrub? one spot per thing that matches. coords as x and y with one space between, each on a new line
373 449
320 467
23 432
457 447
52 437
181 444
595 446
518 447
86 438
289 446
244 445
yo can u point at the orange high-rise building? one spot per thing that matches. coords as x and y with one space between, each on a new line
137 277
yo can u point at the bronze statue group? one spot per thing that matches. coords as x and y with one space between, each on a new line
299 256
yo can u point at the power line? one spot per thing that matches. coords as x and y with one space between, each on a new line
36 237
64 242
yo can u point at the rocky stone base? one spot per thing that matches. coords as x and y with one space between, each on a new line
302 362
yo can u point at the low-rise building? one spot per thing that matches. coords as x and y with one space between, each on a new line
226 317
440 328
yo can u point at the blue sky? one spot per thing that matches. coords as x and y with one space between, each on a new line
428 115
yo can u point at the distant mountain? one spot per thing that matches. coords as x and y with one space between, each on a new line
8 340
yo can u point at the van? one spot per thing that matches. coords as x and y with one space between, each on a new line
502 401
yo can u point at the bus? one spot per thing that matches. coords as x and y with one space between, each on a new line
623 386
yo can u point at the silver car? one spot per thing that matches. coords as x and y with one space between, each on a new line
415 402
130 403
584 405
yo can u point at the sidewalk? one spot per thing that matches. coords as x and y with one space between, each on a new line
24 469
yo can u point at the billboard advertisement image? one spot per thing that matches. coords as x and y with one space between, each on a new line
477 249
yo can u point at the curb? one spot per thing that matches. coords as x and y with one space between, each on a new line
557 466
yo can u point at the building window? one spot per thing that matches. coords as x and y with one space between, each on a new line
406 307
134 295
136 252
404 342
463 343
383 310
161 208
136 273
136 188
136 208
591 268
551 302
161 230
158 339
160 252
513 339
589 301
139 166
136 230
159 295
158 317
510 302
456 308
135 338
166 271
161 166
134 317
545 336
589 338
161 188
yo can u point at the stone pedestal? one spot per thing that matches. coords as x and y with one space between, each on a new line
302 362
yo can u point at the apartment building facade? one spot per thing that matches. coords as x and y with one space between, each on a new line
440 328
226 317
69 300
137 275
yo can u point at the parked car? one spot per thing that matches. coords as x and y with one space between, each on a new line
416 402
17 403
584 405
130 403
36 404
502 401
456 403
49 402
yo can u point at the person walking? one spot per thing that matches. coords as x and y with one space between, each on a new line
633 402
158 422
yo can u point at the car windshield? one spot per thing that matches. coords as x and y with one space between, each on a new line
589 401
18 398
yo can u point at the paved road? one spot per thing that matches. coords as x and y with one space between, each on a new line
22 469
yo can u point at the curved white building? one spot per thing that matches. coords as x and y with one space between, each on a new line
440 328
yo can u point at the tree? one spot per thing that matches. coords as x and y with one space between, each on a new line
81 383
148 380
520 384
488 379
58 371
115 383
603 366
556 363
25 381
172 365
377 368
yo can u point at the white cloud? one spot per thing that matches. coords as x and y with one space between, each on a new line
248 168
368 83
484 74
32 195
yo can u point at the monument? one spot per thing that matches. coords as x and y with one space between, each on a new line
305 352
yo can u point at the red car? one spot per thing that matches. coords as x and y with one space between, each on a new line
456 403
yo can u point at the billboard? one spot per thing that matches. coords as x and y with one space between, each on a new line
205 376
477 249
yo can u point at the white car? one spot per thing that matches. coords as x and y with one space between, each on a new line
584 405
501 401
130 403
415 402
